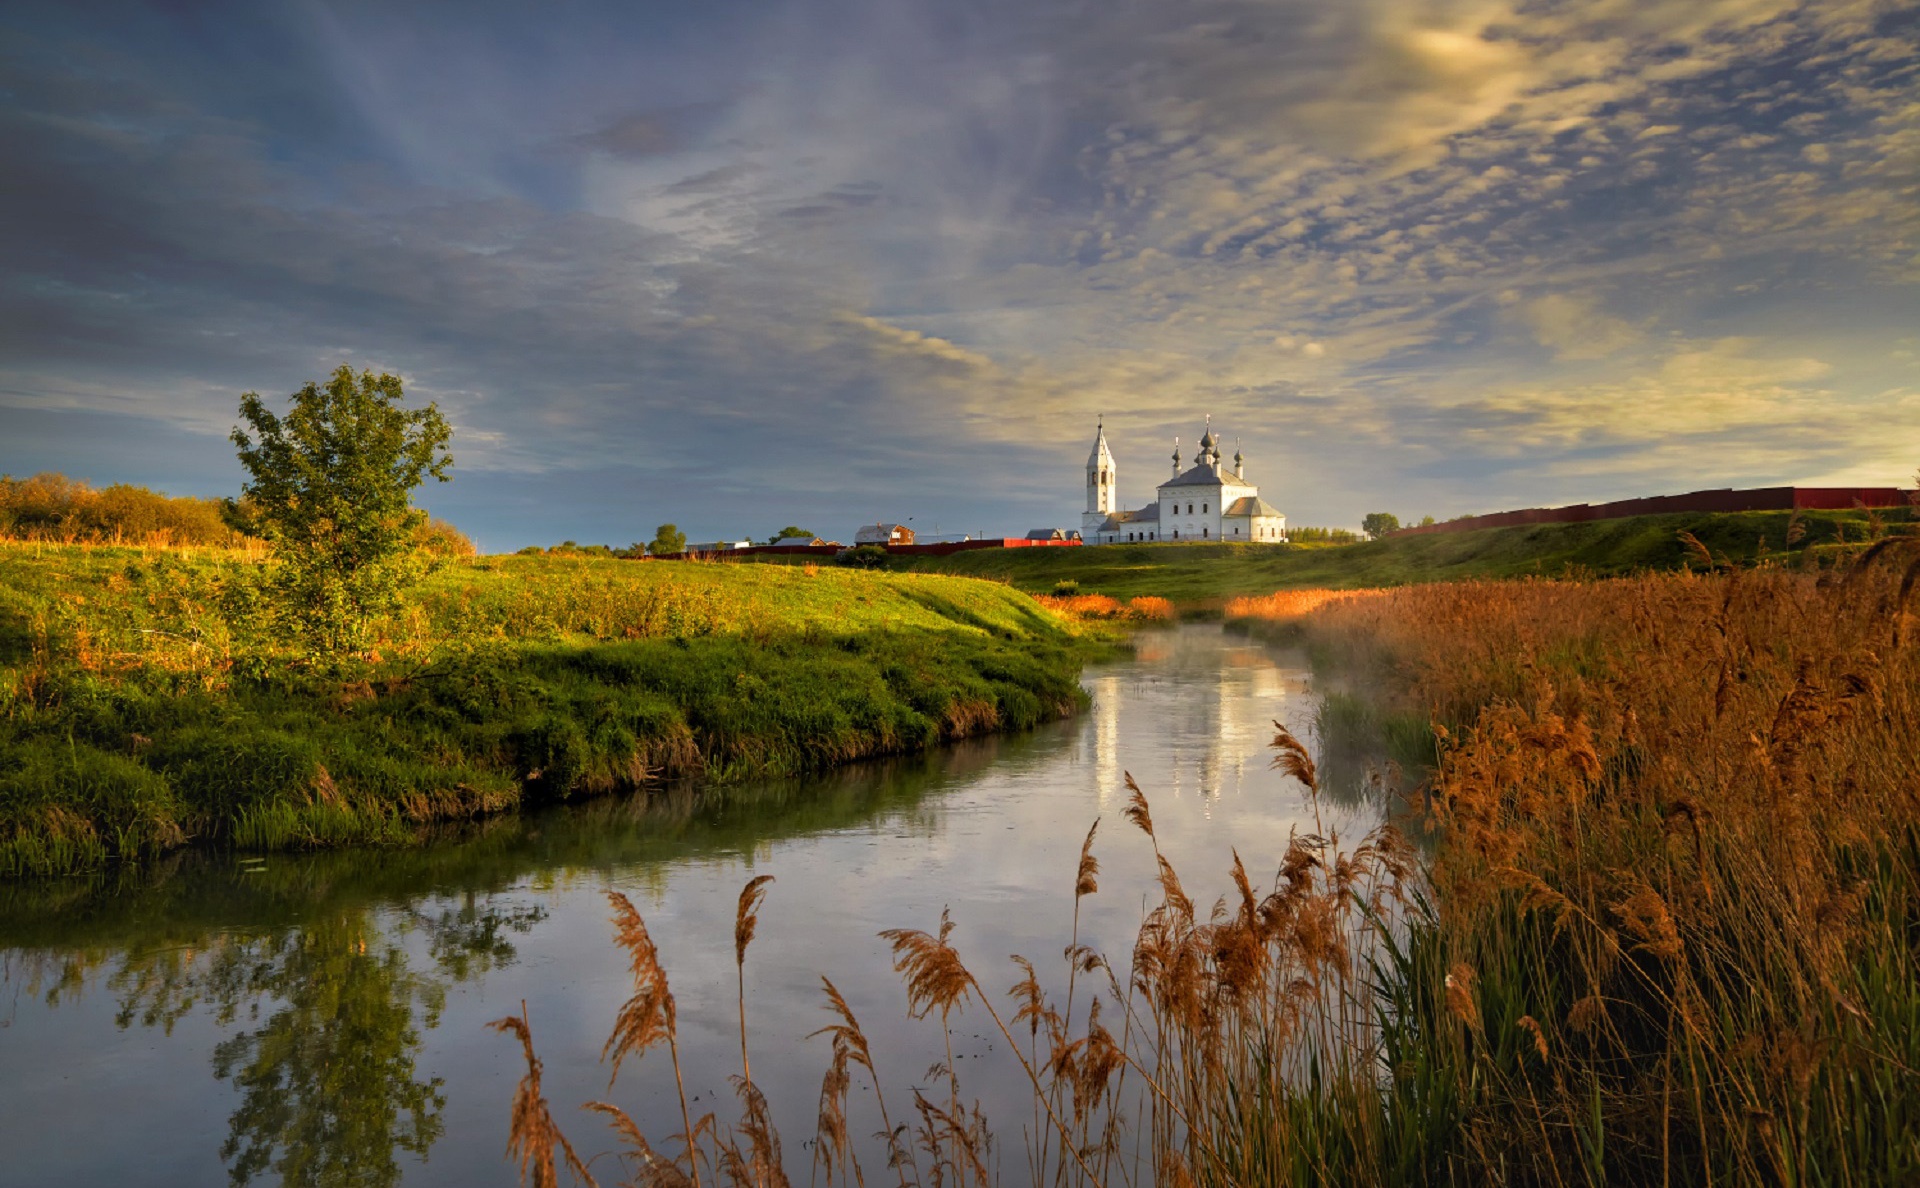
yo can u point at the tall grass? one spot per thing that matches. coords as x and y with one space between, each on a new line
1679 865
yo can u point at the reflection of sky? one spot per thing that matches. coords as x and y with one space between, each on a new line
1426 255
996 842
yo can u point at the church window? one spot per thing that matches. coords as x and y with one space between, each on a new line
1203 509
1189 509
1203 532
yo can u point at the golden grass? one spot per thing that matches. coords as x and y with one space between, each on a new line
1144 609
1679 823
1289 604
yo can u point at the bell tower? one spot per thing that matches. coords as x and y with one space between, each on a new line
1103 491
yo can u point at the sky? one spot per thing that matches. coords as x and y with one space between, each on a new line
738 264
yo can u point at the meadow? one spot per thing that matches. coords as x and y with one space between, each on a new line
1651 916
1201 577
148 698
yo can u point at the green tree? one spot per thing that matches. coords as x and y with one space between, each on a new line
667 538
331 490
1378 524
787 532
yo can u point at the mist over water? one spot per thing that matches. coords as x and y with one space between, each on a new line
313 1018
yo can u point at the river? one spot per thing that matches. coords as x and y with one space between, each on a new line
321 1018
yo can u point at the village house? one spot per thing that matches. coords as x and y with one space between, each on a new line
884 534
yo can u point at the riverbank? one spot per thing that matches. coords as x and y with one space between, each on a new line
145 702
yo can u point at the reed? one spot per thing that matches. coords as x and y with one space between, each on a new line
1678 862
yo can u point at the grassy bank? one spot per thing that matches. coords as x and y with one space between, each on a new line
145 703
1205 575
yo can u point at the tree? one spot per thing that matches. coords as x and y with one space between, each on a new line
331 491
1378 524
788 531
667 538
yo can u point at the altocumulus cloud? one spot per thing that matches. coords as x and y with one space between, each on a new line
737 263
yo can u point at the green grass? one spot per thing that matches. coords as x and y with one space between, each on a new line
1204 575
144 702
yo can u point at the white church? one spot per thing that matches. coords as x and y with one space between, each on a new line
1204 502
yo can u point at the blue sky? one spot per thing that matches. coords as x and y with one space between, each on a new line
739 265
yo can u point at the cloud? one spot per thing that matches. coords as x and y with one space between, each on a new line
1392 242
1573 329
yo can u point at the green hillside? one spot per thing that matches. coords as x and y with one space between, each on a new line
1201 574
146 701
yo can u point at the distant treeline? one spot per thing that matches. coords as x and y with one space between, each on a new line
568 548
54 508
1323 536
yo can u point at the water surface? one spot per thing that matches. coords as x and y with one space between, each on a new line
316 1019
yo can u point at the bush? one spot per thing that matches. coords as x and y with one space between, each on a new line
863 557
442 539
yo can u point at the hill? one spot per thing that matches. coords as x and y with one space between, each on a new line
1203 575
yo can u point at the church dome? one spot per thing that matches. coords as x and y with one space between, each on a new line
1209 454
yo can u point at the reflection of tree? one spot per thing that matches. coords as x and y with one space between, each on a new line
330 1092
329 1088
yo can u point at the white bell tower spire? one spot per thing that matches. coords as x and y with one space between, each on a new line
1103 487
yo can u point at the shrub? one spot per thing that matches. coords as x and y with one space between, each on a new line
442 539
862 557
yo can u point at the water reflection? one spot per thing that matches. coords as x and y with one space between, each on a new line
324 1026
330 1089
338 999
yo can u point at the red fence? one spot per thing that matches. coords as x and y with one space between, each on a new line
945 549
948 548
1722 500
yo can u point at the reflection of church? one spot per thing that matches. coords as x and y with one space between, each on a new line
1207 709
1204 502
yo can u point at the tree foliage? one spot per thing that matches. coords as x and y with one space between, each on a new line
1379 524
787 533
331 490
668 538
